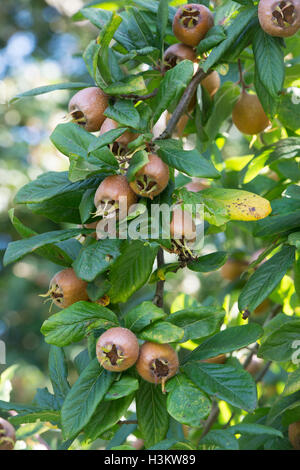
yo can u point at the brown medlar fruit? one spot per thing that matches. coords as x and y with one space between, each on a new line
117 349
294 435
7 435
124 139
87 107
233 269
191 23
176 53
182 231
279 18
157 363
110 197
212 83
248 114
152 178
66 288
255 366
197 185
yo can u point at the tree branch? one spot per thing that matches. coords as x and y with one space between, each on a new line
139 97
159 293
213 416
184 103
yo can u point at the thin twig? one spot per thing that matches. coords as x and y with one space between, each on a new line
263 372
159 293
140 97
213 416
183 103
128 421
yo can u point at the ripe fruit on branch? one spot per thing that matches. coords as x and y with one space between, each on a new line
248 114
124 139
176 53
117 349
66 288
157 363
182 231
255 366
152 178
114 197
197 185
279 18
220 359
294 435
191 23
233 269
87 107
212 83
7 435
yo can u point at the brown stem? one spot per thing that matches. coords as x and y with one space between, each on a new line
140 97
263 372
128 421
159 293
213 416
242 81
183 103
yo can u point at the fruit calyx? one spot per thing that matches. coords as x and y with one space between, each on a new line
183 234
117 349
65 289
152 178
114 197
189 16
284 14
112 354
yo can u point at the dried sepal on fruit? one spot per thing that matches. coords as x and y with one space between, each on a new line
114 197
279 18
157 363
191 23
117 349
66 288
87 107
152 178
7 435
248 114
182 232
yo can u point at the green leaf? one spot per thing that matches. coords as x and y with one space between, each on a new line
152 413
42 415
255 429
186 403
131 270
162 332
265 279
54 253
213 37
84 397
162 21
132 84
224 101
48 88
124 112
16 250
106 416
106 138
268 102
142 316
197 322
289 111
282 405
190 162
90 57
226 341
233 31
96 258
58 372
233 385
220 439
87 206
139 159
269 61
121 388
172 87
208 263
279 346
73 323
105 38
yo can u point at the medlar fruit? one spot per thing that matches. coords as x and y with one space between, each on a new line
220 359
87 107
191 23
124 139
212 83
7 435
248 114
117 349
157 363
197 185
233 269
279 18
66 288
152 178
176 53
182 231
114 197
255 366
294 435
